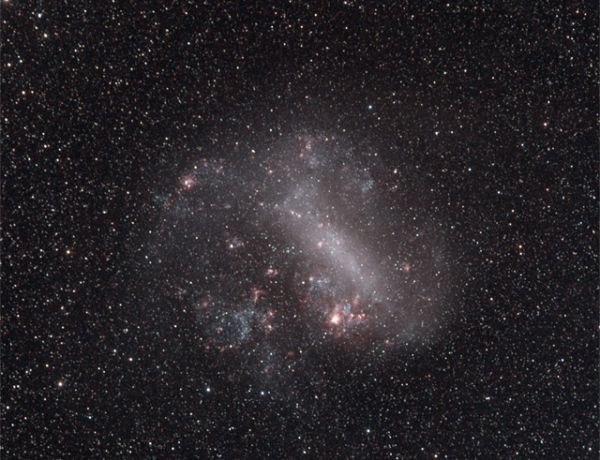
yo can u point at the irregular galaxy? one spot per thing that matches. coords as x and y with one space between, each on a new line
301 239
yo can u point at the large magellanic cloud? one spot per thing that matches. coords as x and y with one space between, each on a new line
300 247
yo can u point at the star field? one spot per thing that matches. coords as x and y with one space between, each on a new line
299 230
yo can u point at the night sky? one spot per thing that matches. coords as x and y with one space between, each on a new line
300 230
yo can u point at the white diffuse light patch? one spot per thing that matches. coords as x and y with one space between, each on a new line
355 267
321 241
299 247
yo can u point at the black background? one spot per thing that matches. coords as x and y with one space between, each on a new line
492 105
